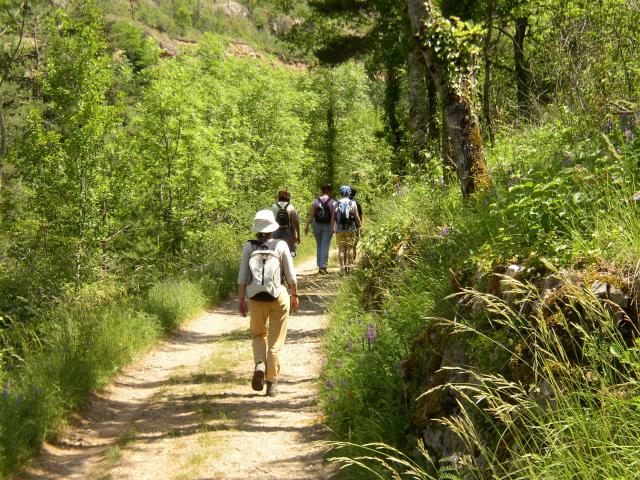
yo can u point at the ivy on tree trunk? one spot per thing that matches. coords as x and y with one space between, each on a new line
448 53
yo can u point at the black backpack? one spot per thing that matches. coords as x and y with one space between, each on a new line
323 212
282 217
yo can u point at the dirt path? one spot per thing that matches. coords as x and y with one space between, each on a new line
187 411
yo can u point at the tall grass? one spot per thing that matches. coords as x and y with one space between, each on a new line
570 410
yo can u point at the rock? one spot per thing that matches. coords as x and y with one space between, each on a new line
283 25
604 290
232 9
514 271
550 285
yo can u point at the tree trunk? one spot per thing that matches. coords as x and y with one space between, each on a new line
391 99
462 124
486 53
332 134
418 102
433 132
520 66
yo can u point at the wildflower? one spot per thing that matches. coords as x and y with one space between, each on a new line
329 384
568 161
350 346
445 231
512 181
628 134
455 459
371 332
359 322
338 365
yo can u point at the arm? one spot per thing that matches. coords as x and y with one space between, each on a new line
244 278
310 219
358 221
333 218
243 309
296 227
290 276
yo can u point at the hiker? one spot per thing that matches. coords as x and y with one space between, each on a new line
321 215
289 221
266 261
352 197
344 224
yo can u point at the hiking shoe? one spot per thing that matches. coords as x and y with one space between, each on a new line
257 382
272 388
322 271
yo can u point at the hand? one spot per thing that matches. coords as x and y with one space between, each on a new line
295 304
243 307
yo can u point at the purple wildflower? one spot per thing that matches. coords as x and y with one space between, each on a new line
350 346
568 161
371 332
512 181
628 134
360 322
329 384
455 459
445 231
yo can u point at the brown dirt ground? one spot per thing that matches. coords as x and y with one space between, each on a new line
186 410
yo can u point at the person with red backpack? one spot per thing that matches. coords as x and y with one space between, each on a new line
346 221
289 221
322 211
267 263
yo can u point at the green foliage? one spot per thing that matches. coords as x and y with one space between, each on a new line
558 196
174 301
141 50
76 348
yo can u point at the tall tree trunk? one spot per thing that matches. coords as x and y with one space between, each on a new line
418 102
332 133
433 132
460 118
391 99
521 68
486 53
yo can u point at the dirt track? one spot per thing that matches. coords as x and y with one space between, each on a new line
187 411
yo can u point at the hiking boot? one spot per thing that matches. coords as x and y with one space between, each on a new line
272 388
322 271
257 382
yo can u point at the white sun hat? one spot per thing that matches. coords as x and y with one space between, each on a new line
265 222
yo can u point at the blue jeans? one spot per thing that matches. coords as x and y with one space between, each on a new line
322 232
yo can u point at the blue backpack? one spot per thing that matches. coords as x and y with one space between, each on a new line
345 215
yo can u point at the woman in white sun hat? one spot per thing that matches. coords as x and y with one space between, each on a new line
265 262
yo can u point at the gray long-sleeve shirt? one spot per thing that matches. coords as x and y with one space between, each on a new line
286 266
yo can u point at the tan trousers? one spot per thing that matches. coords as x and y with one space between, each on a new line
268 325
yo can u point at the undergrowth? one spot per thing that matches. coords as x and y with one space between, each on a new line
560 199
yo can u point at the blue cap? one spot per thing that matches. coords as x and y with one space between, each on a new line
345 190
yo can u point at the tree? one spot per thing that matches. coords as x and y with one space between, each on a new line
448 50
